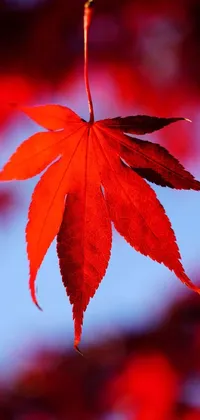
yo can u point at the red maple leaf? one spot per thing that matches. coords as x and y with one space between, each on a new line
94 175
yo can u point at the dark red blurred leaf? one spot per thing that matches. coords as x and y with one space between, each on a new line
7 203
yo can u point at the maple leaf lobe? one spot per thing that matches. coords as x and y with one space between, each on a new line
151 161
51 117
139 124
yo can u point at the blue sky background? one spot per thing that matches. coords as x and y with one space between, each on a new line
136 292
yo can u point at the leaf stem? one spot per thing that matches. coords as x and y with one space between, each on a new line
88 12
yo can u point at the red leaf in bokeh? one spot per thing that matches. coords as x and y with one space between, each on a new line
89 184
71 190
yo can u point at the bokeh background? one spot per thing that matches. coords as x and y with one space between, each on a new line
141 337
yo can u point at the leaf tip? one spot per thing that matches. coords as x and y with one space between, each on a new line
38 306
34 299
188 120
77 349
89 3
185 279
33 293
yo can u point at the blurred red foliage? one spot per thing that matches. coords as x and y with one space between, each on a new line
150 376
8 201
147 386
